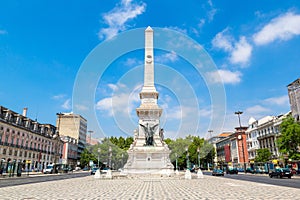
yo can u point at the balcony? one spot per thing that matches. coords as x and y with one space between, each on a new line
266 136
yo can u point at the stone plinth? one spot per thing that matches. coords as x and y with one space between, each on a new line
148 160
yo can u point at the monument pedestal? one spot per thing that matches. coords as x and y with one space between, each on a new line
148 160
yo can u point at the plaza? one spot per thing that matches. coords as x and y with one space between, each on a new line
148 187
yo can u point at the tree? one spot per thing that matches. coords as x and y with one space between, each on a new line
191 143
263 155
85 157
289 140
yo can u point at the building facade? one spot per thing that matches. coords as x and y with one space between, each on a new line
263 134
232 150
74 126
69 153
213 140
26 144
294 97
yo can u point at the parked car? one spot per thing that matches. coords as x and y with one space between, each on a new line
240 169
94 169
250 170
232 170
281 172
86 169
49 169
258 171
217 172
104 170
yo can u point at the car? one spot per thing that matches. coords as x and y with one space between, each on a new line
94 169
217 172
232 170
258 171
86 169
250 170
104 170
49 169
280 173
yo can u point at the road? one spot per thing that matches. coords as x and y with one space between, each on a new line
150 187
6 182
294 182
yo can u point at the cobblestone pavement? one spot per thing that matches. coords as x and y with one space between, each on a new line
148 188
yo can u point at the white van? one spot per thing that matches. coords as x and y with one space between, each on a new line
49 169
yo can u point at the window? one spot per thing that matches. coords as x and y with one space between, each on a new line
20 154
10 152
29 155
33 155
25 154
16 153
4 152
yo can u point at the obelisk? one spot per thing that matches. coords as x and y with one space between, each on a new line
148 153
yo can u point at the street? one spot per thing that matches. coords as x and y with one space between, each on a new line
153 187
294 182
6 182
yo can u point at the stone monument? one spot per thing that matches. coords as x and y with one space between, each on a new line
149 154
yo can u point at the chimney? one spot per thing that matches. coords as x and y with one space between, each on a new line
25 112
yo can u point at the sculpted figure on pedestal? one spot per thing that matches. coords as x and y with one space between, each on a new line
149 132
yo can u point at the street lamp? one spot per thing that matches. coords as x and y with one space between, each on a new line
99 150
110 155
187 158
212 162
240 137
176 164
122 160
198 150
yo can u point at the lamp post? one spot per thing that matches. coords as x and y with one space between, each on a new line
212 162
122 160
187 158
99 150
240 137
198 150
176 162
110 155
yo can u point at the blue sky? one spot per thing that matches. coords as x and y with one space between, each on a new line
249 54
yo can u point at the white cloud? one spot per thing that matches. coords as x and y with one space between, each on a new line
256 110
117 18
241 52
224 76
59 96
67 104
283 28
81 107
201 23
112 86
132 62
212 11
121 102
223 41
184 31
282 100
167 57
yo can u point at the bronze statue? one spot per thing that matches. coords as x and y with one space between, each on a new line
149 132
